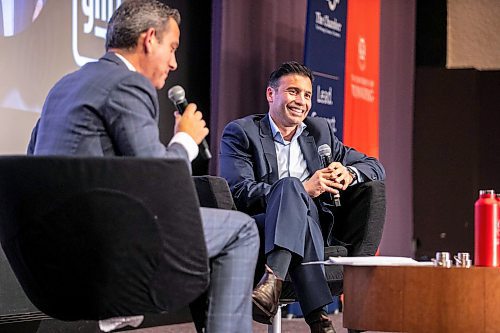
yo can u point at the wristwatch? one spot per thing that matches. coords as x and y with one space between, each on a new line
353 173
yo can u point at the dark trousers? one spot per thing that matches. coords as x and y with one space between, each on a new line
359 222
294 221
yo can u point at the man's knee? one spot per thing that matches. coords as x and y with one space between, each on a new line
247 225
288 184
242 218
289 181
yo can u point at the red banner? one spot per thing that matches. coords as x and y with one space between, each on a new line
361 92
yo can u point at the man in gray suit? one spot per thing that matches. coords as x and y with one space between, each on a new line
110 108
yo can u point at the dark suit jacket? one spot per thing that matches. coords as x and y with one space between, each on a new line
248 159
103 109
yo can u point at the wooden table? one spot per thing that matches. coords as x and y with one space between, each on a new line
422 299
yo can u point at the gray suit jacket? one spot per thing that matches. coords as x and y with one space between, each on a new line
103 109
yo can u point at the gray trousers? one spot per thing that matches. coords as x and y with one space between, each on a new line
232 243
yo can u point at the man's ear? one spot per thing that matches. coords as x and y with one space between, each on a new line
149 40
270 94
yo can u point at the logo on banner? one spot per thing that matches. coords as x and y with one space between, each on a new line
362 88
332 4
324 96
362 53
328 26
89 27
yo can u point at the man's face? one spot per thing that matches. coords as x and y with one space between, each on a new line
290 103
161 59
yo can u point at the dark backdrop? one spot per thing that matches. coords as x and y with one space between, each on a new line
250 39
193 73
455 138
456 145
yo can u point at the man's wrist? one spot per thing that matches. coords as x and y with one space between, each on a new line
187 142
353 174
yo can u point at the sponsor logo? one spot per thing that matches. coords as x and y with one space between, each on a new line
324 96
326 25
332 4
89 26
362 53
362 88
332 120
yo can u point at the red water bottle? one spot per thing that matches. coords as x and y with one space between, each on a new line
486 229
498 230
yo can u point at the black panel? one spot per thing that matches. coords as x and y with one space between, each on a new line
488 88
456 145
431 33
193 73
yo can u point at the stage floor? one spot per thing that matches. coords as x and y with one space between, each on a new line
288 326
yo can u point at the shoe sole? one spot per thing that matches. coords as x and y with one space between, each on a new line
261 315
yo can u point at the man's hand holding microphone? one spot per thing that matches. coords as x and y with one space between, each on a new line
332 178
192 123
188 119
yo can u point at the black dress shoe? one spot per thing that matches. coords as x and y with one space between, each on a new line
323 325
265 297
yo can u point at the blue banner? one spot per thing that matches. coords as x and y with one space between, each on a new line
325 55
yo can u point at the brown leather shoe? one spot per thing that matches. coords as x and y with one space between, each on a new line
323 325
265 297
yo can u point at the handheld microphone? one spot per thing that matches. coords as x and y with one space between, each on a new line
325 154
178 96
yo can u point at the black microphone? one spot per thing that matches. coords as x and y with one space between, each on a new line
325 154
178 96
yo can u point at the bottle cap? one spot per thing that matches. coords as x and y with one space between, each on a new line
481 192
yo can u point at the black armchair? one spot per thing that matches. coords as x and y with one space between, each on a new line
94 238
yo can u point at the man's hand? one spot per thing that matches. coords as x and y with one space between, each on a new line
319 183
340 175
192 123
331 179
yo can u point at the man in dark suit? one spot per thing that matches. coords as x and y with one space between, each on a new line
272 165
110 108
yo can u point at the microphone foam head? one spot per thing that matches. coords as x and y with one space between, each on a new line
176 94
324 150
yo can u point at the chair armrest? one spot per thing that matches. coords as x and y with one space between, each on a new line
213 192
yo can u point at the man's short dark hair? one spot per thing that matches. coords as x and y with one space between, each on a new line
134 17
290 67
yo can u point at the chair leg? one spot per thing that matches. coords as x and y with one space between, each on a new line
276 326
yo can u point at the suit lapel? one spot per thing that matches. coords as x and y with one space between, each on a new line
310 151
266 138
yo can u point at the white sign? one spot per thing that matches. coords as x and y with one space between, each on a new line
89 22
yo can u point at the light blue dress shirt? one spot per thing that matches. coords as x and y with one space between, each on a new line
291 161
